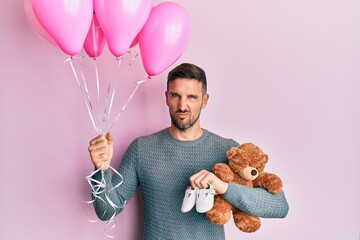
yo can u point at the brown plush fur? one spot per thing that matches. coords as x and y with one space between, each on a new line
246 166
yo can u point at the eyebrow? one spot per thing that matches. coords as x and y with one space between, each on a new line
190 94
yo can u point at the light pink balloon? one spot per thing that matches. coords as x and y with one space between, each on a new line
95 39
121 21
164 37
35 24
67 21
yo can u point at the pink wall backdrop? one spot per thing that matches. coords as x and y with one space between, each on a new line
282 74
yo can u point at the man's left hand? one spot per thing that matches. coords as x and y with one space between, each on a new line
203 178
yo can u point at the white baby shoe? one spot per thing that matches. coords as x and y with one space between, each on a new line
189 199
205 199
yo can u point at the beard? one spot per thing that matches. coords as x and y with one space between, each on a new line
183 126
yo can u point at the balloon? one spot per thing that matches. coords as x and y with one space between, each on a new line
95 39
164 37
135 41
121 21
35 24
67 21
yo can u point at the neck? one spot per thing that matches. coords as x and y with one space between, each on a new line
189 134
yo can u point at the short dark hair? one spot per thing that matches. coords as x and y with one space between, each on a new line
190 71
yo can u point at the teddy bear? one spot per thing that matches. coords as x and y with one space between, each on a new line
246 163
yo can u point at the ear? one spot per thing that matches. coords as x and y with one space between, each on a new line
231 152
205 100
166 98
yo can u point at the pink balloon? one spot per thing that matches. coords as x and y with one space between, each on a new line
135 41
95 39
67 21
121 20
164 37
35 24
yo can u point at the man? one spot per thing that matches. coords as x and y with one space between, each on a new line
166 162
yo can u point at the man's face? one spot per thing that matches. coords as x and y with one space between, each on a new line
185 100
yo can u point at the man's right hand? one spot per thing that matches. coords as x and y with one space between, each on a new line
101 151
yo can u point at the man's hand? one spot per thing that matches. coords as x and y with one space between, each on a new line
101 151
203 178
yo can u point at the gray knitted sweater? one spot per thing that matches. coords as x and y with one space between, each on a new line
162 165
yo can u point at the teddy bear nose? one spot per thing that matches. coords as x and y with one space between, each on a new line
253 172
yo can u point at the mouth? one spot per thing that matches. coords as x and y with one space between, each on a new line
182 114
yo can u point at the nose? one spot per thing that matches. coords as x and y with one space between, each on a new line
249 173
182 105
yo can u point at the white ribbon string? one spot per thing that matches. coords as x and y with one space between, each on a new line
101 122
109 226
144 79
111 92
98 188
100 130
86 94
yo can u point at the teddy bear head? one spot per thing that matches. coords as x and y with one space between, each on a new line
247 160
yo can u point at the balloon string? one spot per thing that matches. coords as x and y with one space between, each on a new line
86 93
105 113
73 69
111 92
100 129
86 89
118 73
115 86
144 79
99 187
134 58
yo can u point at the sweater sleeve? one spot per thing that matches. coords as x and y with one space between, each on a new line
257 201
110 201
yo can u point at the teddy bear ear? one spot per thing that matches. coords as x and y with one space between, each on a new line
231 152
266 157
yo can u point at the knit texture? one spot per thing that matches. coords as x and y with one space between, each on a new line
162 165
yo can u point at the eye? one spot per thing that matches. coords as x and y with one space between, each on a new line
192 97
174 95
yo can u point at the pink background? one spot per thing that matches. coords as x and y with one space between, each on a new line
282 74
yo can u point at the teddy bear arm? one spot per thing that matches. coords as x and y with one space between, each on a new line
269 181
223 171
245 222
221 211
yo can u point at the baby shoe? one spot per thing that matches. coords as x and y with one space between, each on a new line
189 199
205 199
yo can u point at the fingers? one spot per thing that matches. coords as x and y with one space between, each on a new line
101 150
100 142
101 158
203 178
99 138
98 145
109 137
